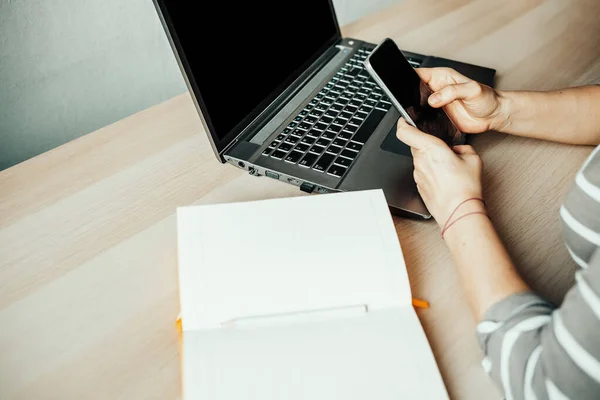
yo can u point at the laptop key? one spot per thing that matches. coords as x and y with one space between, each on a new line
335 128
293 157
339 142
343 161
308 160
337 107
292 139
279 154
285 147
267 151
298 132
326 119
323 142
355 121
340 121
345 114
317 149
383 106
354 146
334 149
354 71
304 126
323 162
349 154
328 135
320 126
331 113
351 108
302 147
344 135
308 140
337 170
368 126
310 119
280 137
361 115
316 113
351 128
370 103
314 133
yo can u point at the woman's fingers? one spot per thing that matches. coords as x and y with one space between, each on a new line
413 137
438 78
450 93
464 149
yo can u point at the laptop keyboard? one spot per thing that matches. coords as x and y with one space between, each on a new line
329 133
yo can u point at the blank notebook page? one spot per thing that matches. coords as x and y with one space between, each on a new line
288 255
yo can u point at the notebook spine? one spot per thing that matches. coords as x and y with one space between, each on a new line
324 314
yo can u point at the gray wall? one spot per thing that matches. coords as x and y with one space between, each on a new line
69 67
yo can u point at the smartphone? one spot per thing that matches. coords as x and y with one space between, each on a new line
409 94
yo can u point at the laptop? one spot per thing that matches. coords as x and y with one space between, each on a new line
283 95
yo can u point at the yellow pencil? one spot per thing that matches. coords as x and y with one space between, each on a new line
420 303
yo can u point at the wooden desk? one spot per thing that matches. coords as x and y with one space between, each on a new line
88 288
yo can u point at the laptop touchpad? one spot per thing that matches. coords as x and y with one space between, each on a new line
392 144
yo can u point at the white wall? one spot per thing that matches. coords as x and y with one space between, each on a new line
69 67
350 10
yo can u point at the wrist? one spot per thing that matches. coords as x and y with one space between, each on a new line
461 206
501 119
466 223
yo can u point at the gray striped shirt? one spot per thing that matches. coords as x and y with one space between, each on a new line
534 350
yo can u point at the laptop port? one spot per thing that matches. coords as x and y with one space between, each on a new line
241 164
272 175
307 187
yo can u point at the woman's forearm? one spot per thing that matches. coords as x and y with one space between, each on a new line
566 116
486 271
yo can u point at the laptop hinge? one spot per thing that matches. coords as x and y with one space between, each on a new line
288 94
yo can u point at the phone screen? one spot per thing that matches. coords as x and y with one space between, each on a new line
404 85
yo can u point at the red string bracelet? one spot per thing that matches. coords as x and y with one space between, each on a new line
446 226
461 217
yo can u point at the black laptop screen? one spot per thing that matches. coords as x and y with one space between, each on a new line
239 56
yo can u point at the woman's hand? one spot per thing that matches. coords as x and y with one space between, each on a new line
472 106
445 177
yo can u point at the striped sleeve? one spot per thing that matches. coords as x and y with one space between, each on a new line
534 350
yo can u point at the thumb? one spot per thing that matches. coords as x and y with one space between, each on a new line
464 149
460 91
413 137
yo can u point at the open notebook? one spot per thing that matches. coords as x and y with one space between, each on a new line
299 298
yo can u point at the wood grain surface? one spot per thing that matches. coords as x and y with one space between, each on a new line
88 273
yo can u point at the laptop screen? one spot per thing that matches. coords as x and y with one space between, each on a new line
239 56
